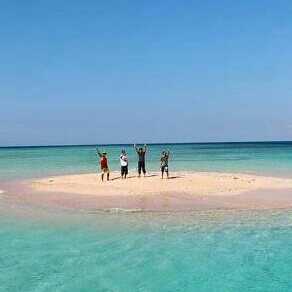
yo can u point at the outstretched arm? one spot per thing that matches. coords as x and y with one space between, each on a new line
97 150
145 148
136 148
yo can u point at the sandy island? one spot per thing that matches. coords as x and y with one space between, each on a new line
183 191
199 183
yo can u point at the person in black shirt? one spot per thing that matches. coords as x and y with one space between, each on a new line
141 159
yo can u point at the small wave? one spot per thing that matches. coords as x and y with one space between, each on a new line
122 210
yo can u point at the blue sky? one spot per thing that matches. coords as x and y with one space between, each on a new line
86 72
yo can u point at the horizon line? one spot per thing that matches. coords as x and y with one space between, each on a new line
152 143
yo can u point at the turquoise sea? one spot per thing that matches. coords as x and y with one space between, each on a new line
270 157
58 249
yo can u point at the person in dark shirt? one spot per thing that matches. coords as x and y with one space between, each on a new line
103 164
164 163
141 159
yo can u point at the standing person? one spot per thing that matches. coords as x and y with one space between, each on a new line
103 164
164 163
141 159
124 164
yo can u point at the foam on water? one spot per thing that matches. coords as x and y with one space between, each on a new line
122 210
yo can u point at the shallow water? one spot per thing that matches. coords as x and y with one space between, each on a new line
198 251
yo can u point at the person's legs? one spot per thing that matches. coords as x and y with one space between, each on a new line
162 171
143 168
139 168
124 171
102 175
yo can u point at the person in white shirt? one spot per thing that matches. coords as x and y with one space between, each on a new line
124 164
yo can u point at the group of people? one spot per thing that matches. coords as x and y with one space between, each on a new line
140 151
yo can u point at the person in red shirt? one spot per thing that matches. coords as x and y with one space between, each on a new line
103 164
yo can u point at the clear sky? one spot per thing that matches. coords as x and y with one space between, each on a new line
86 72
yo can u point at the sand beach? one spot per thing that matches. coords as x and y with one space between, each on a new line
200 183
182 191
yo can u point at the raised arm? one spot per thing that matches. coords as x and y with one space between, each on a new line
145 148
97 150
136 148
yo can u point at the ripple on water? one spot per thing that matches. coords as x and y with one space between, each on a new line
214 250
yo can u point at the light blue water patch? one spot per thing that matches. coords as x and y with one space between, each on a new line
200 251
28 162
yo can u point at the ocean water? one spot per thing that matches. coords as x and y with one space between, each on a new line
45 248
27 162
201 251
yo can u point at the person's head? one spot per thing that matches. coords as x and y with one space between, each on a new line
123 152
103 153
140 150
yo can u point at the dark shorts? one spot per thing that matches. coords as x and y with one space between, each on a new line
164 168
124 170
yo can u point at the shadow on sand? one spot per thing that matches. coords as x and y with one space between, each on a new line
151 175
174 177
134 176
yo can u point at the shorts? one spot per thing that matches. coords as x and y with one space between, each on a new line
105 170
124 170
164 168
